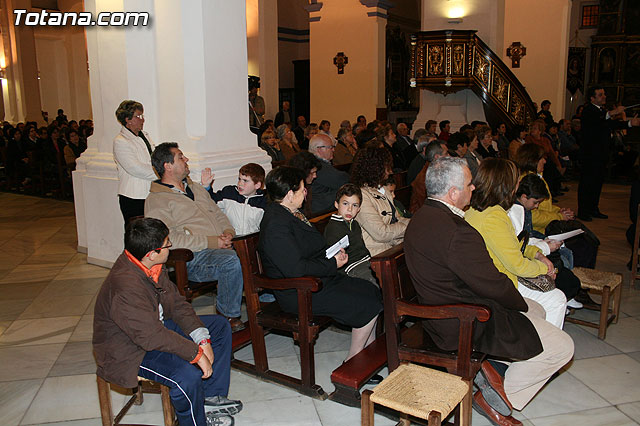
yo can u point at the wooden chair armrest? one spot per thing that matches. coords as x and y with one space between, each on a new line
180 255
460 311
312 284
238 238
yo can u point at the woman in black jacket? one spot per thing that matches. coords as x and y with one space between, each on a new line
291 247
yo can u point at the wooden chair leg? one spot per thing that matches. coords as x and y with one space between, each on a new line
464 410
435 418
604 313
307 361
167 408
105 402
138 393
366 408
617 294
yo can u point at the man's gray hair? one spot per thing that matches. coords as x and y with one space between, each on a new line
443 174
318 140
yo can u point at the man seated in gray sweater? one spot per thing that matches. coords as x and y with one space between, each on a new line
143 327
195 222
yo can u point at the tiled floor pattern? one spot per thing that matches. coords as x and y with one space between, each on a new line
47 369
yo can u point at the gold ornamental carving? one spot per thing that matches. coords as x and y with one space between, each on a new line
517 109
458 59
481 69
500 89
436 59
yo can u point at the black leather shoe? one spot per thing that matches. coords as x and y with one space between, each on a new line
599 215
584 217
584 298
375 379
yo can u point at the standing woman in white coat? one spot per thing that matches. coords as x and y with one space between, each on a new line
132 149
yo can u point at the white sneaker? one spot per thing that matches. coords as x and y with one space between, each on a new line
574 304
219 420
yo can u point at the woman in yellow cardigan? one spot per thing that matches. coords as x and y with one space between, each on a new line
496 183
530 159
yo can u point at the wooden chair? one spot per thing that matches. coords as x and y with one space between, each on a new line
178 259
413 343
609 284
417 391
263 318
144 386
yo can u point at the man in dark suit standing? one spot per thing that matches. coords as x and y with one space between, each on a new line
597 125
449 263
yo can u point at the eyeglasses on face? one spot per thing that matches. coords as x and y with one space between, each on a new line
327 147
140 116
169 245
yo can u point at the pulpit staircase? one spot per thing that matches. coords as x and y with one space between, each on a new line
448 61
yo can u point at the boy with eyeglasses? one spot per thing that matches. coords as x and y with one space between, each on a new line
144 327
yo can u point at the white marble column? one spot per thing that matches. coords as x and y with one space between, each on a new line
188 69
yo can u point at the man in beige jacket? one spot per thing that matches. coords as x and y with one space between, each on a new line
195 222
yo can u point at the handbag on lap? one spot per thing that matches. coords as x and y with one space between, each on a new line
543 283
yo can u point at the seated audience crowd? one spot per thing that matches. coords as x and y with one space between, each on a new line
481 210
42 156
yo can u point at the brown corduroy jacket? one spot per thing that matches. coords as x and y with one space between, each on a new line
127 324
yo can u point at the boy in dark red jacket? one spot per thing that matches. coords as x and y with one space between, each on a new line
144 327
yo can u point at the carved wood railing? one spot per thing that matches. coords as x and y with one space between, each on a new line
449 61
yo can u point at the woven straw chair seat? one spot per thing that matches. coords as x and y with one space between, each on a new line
597 280
417 391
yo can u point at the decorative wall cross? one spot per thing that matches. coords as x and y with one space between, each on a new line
340 61
515 52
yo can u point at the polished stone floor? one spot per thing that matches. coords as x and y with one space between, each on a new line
47 369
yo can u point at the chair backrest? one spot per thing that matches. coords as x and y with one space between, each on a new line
400 302
400 178
247 249
321 221
404 196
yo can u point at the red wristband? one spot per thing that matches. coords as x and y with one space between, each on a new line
197 358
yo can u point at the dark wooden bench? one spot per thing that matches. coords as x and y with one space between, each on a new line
304 327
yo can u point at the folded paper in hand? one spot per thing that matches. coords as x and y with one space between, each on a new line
566 235
334 249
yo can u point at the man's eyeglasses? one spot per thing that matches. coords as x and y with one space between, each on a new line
140 116
169 245
327 146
